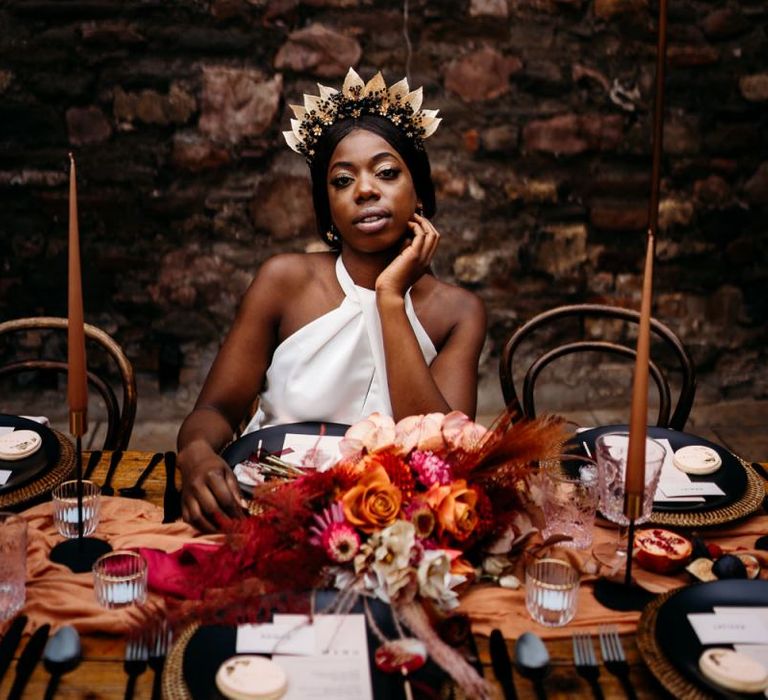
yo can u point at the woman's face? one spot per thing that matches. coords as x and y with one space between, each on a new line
370 191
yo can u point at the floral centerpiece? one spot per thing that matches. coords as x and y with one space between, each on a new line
404 516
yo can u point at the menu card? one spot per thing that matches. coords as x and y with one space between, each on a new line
327 658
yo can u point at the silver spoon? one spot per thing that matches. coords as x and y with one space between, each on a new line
532 658
61 654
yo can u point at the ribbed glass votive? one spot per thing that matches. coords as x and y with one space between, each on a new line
120 579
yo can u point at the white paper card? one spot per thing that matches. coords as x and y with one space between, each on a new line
277 638
339 668
698 488
728 628
675 485
5 474
759 652
758 611
5 429
321 451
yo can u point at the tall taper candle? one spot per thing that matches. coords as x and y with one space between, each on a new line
77 387
638 421
634 487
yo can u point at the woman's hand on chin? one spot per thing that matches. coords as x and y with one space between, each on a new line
209 492
413 260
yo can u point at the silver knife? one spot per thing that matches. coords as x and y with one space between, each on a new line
28 660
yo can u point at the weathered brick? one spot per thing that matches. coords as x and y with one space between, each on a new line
481 75
238 103
571 134
319 50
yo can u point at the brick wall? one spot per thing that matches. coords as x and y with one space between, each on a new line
174 112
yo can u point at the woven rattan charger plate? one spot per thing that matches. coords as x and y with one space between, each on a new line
750 501
173 683
654 658
46 481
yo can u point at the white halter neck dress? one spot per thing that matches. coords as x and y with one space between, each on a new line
333 368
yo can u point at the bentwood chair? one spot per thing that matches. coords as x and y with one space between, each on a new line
595 328
119 419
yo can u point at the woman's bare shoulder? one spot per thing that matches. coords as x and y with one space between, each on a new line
289 273
444 308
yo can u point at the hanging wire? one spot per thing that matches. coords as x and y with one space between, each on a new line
408 45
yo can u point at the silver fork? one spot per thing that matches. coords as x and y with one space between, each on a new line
614 658
159 643
585 661
135 663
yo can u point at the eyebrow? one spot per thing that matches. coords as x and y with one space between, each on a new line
375 159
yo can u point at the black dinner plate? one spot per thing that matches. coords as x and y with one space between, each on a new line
272 438
730 477
24 470
677 638
211 645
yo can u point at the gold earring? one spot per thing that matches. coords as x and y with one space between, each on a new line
332 237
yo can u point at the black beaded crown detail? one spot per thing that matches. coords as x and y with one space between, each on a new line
398 104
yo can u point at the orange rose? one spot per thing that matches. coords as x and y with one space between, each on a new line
454 504
373 503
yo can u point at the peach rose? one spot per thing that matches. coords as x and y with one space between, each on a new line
372 433
454 504
420 432
460 432
374 502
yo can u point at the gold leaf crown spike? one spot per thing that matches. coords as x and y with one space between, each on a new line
398 104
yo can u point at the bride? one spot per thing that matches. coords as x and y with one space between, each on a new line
364 327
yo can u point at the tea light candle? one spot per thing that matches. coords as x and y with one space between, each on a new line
554 600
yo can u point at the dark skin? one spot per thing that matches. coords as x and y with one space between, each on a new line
386 246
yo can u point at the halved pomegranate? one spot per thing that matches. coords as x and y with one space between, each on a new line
661 551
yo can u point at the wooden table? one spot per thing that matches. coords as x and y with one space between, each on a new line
100 676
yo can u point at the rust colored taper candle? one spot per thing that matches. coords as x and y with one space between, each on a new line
638 422
77 386
80 553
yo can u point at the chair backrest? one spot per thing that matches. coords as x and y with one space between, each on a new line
119 419
626 347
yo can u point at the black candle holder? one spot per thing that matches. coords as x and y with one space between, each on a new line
79 553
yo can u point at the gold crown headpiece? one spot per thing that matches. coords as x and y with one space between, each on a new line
356 98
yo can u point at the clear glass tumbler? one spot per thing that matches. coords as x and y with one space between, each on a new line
570 503
611 453
13 564
551 591
120 579
65 508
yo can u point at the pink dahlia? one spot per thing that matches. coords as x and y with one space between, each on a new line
341 542
429 468
333 514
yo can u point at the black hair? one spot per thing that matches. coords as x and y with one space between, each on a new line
414 157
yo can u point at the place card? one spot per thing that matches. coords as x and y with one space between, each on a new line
758 611
5 474
697 488
320 451
728 628
296 637
339 668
